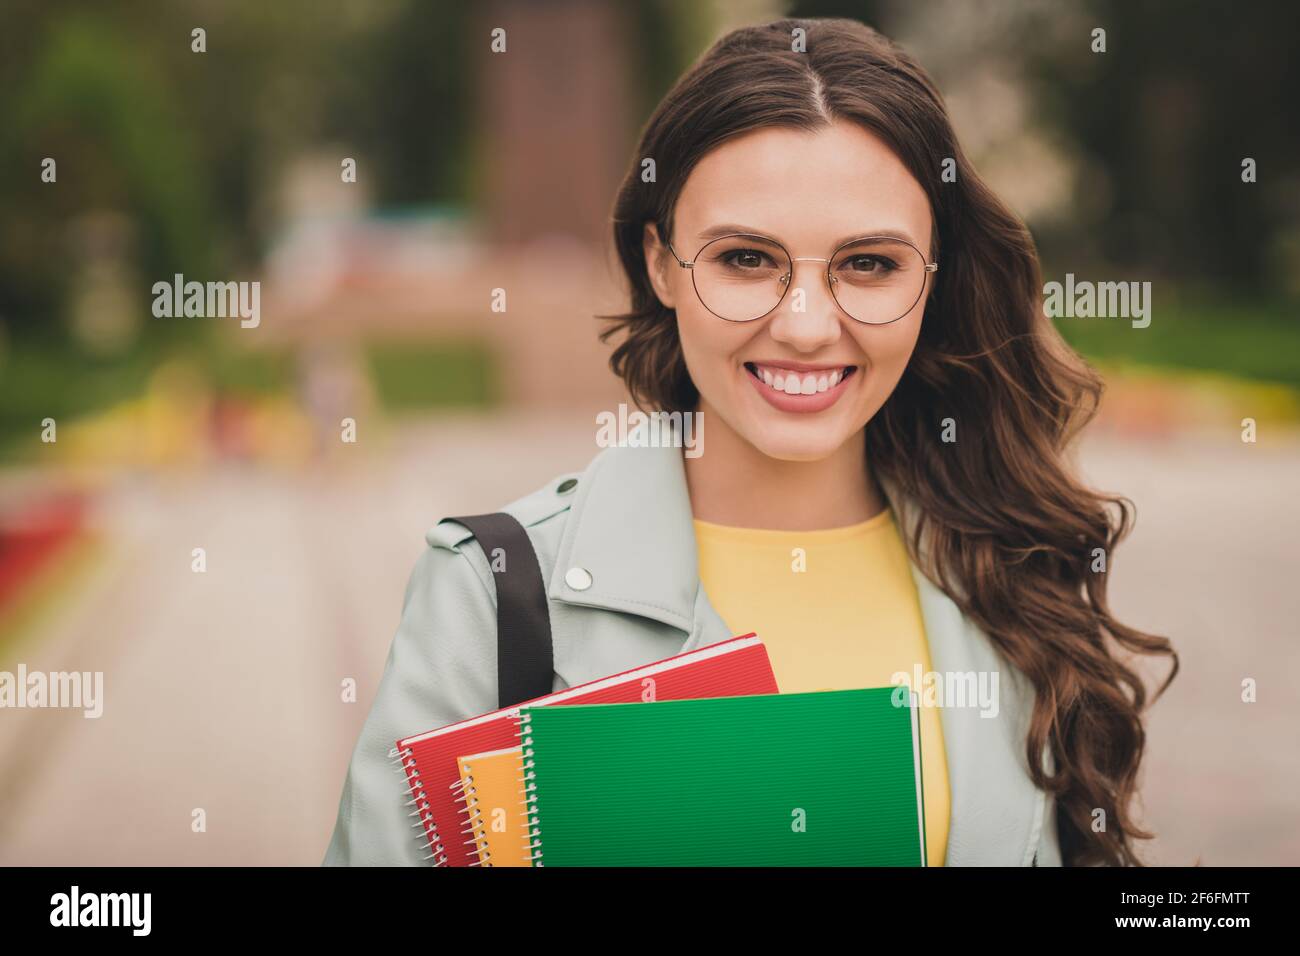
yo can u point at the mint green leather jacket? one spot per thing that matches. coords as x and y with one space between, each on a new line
627 522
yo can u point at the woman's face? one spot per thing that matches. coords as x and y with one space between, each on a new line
810 191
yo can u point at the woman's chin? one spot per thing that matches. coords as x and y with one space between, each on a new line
799 442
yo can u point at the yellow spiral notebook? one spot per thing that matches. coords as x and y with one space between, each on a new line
491 794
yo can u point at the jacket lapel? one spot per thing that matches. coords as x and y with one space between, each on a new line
996 812
994 806
630 528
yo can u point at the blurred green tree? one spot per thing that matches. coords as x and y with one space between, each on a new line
1164 118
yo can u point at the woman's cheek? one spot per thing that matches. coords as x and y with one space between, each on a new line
707 347
887 358
705 356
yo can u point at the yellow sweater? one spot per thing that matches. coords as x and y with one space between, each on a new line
837 608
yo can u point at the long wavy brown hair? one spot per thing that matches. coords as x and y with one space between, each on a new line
1008 529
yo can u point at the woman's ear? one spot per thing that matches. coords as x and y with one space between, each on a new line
657 260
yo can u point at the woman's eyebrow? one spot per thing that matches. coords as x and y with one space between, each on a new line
732 228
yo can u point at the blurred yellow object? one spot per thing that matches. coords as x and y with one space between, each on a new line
180 422
1145 399
178 415
280 432
167 425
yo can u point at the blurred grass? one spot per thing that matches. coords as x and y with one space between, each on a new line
1256 342
42 380
46 380
1253 342
414 376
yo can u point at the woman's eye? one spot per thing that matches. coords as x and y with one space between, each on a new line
870 264
745 259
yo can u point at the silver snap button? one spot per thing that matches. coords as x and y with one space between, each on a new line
579 579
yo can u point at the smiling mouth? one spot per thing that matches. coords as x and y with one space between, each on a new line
792 382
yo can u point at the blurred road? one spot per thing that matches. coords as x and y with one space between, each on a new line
223 688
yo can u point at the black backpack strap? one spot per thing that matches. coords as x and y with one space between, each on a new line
525 659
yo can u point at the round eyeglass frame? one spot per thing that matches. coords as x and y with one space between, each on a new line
930 267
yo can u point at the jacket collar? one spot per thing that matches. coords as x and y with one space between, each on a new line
631 511
628 513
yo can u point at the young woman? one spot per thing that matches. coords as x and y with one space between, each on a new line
882 492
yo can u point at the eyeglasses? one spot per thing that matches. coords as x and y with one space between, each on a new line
742 277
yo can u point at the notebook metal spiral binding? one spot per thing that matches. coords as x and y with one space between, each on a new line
429 838
464 794
533 838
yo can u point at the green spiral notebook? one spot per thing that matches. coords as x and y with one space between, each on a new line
830 778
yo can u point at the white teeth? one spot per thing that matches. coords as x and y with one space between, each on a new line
791 383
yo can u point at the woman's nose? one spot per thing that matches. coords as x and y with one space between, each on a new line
808 316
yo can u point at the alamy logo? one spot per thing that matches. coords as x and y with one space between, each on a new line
57 689
638 429
948 689
103 909
208 300
1102 300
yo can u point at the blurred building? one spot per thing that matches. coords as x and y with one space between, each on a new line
554 132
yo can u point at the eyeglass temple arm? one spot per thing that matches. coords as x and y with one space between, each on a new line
680 261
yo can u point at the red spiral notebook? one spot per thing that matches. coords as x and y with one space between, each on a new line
731 668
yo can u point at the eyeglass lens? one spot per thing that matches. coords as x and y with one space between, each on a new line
874 280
